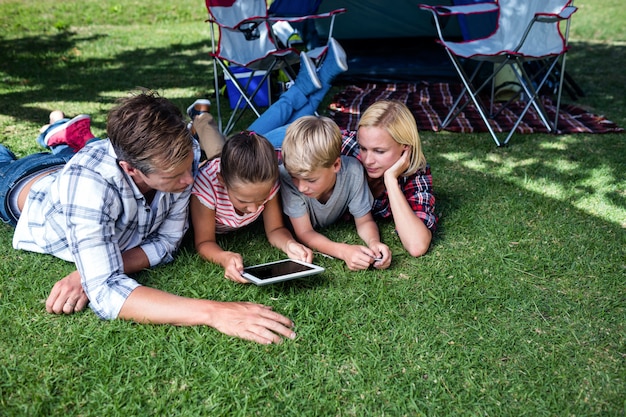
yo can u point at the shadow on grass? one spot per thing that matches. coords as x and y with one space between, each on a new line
582 172
50 68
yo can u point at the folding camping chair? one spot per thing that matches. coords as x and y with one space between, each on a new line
527 30
294 8
245 39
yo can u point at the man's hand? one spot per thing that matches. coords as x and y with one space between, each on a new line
248 321
251 321
67 296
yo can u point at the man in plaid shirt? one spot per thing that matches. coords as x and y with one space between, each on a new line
114 208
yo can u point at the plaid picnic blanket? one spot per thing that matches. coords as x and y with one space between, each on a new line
430 104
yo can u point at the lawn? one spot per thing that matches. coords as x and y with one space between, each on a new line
519 307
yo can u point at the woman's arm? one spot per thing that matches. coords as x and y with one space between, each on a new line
413 233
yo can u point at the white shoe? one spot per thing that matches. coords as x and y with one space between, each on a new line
307 79
338 53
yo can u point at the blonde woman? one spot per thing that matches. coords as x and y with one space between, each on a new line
388 145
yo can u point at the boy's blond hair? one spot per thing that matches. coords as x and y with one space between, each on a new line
311 143
396 118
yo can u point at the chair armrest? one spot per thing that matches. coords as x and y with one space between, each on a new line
256 20
564 14
567 12
444 12
311 16
464 9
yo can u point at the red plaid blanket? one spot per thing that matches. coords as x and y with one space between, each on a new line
430 104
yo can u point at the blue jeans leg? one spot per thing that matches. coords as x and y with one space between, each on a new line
42 135
6 156
278 119
281 112
12 171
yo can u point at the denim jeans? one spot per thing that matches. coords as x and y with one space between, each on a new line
290 106
12 170
42 135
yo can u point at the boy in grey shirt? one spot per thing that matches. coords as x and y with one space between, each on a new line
318 186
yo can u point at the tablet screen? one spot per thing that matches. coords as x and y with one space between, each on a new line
279 271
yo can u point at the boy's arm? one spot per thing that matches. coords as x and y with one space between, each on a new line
278 235
356 257
367 229
203 220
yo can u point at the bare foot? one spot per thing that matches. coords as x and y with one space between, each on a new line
55 116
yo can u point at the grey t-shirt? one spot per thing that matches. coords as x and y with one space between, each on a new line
351 194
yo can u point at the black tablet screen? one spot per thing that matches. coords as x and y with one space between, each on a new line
277 269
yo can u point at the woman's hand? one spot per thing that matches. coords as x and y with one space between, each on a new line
399 167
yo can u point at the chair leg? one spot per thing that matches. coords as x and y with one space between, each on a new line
217 95
243 96
455 110
533 92
558 94
473 96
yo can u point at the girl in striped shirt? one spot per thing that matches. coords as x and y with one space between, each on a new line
233 191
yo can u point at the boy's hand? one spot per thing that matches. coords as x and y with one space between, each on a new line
295 250
233 267
382 255
357 257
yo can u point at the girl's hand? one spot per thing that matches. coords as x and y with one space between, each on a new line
233 267
295 250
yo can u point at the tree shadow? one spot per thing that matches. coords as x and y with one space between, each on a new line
568 162
50 68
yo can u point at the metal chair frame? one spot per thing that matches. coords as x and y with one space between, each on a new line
514 57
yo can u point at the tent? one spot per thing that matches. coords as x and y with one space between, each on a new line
394 41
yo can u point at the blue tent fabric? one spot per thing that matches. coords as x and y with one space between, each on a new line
390 41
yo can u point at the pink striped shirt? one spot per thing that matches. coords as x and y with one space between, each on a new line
213 195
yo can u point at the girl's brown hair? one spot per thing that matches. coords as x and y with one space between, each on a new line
248 158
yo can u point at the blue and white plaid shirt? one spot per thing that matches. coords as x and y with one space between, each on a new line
90 212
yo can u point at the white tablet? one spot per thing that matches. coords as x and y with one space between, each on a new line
284 270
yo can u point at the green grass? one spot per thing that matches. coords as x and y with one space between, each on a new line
519 308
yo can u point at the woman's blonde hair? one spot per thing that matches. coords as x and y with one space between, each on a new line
311 143
396 119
